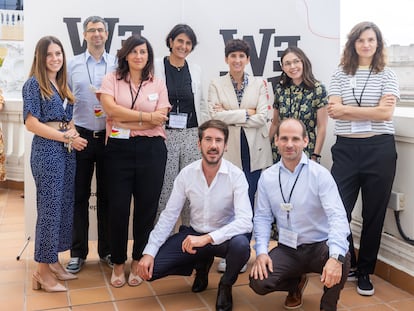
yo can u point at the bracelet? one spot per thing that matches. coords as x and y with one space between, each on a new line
69 144
140 118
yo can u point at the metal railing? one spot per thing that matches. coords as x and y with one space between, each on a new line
11 118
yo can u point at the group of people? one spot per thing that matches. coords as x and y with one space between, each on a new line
144 126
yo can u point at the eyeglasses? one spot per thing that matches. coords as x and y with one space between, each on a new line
294 62
93 30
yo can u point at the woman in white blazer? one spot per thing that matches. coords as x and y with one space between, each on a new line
240 100
183 80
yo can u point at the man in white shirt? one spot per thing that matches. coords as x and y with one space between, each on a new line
220 220
313 228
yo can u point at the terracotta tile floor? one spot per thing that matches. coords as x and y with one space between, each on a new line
92 290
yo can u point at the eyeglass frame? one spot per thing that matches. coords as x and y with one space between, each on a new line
93 30
295 62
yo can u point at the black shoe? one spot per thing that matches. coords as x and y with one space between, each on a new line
352 275
224 298
201 279
365 287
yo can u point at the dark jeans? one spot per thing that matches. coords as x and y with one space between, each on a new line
135 167
252 177
288 266
366 164
86 160
171 260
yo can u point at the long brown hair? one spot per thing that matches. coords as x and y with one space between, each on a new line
307 74
39 71
349 60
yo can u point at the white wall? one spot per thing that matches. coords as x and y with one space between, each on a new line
315 23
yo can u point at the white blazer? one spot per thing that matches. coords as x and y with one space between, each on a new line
221 91
201 108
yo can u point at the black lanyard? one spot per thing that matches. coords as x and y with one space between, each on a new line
89 74
132 94
363 89
293 187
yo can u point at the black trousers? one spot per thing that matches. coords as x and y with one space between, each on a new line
86 161
171 260
134 167
366 164
288 266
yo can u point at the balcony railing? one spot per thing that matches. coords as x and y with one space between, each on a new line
11 118
11 25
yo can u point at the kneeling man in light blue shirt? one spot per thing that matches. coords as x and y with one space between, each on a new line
313 228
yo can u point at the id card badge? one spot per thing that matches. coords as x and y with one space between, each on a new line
119 133
361 126
288 238
98 112
178 120
153 97
287 207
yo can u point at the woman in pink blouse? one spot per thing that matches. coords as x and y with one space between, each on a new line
136 105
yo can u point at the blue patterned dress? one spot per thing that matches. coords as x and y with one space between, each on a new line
53 169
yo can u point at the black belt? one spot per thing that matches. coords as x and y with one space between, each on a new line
88 133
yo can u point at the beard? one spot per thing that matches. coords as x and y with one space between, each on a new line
207 156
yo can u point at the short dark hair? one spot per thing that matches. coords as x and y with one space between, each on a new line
217 124
94 19
179 29
127 46
237 45
304 132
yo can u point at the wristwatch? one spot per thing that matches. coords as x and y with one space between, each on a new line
338 257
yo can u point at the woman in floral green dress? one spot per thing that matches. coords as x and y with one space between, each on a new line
299 95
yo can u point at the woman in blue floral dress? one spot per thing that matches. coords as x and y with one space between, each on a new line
299 95
47 111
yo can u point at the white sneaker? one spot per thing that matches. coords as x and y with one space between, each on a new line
221 267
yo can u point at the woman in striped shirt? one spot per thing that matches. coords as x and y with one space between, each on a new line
362 97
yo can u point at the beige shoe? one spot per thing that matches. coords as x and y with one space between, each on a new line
117 281
62 275
38 283
134 280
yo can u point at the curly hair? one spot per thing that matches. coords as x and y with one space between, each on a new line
128 45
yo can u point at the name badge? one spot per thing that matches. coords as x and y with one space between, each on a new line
178 120
119 133
353 83
287 207
361 126
98 111
153 96
288 238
